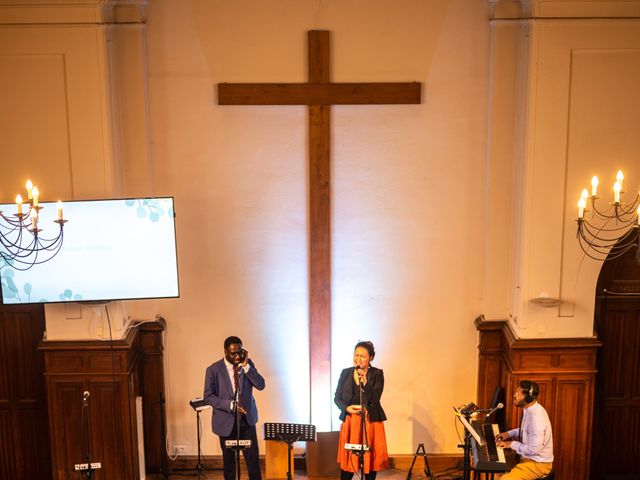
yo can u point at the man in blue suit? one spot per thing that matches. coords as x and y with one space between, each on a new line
222 377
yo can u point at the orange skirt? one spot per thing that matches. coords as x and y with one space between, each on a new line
376 458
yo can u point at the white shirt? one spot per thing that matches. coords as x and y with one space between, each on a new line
537 439
230 366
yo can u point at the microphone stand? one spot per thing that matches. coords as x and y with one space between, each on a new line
163 434
237 413
86 427
466 449
200 464
363 430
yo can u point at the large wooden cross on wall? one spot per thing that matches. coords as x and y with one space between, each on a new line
319 94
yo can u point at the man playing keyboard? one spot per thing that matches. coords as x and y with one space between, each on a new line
533 441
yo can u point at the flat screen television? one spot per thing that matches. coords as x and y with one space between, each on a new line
120 249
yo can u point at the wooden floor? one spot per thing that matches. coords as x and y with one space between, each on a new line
390 474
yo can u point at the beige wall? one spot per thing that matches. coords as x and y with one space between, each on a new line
443 211
577 119
407 181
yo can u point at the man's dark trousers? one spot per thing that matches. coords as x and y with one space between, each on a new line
251 455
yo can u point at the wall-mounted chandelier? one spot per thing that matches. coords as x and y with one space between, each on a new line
610 232
21 244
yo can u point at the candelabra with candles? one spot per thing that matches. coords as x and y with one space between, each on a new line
21 244
612 232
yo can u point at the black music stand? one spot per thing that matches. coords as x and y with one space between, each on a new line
289 433
198 404
464 415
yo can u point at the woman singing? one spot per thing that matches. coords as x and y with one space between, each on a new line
370 380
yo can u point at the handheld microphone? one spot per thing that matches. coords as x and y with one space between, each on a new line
495 409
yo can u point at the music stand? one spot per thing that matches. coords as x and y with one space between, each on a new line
289 433
198 404
464 416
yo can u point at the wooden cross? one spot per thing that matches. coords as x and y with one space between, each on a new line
319 93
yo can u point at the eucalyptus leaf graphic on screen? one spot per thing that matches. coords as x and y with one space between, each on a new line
141 212
8 293
5 290
151 209
66 295
26 288
10 283
9 287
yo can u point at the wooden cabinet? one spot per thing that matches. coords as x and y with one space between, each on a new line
564 368
114 375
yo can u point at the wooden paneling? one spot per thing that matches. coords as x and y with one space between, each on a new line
114 374
7 447
617 422
152 385
24 436
565 370
572 425
65 427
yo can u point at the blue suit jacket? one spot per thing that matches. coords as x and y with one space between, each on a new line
218 392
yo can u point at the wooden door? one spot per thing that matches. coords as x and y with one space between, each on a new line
616 432
24 433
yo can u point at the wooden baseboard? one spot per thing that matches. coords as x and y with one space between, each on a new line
439 462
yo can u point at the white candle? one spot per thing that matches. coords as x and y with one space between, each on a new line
616 192
35 193
19 202
29 187
59 210
619 178
584 194
34 220
581 204
594 186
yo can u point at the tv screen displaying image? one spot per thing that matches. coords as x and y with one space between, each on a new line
112 250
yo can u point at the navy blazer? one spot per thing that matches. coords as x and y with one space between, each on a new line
347 393
218 392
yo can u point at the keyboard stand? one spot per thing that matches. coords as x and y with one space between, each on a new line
420 452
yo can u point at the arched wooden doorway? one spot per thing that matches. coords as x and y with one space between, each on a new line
616 422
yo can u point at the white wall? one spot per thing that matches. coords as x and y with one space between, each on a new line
581 113
407 190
